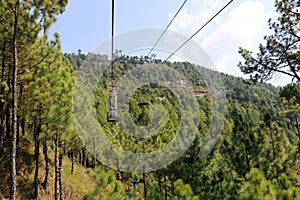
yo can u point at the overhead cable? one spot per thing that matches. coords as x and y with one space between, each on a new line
167 27
198 30
112 37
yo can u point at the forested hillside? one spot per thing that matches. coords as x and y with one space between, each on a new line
256 155
42 156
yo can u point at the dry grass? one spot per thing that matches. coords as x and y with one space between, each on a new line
74 185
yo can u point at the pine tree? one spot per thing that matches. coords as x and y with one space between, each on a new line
22 21
280 54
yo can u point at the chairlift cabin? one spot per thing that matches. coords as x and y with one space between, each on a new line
112 113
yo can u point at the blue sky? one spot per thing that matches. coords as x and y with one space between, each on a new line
86 24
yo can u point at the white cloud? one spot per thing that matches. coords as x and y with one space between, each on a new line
245 24
239 25
242 24
245 27
194 15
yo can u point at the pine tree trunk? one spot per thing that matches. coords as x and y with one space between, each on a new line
83 157
60 169
2 105
159 180
37 130
145 183
93 156
205 191
80 156
8 106
93 162
117 171
87 161
2 131
47 164
56 160
7 122
13 153
166 188
18 130
72 159
23 126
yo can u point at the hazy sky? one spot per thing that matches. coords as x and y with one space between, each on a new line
86 24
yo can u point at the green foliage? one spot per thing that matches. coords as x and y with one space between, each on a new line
280 54
183 191
256 157
253 136
155 192
107 187
258 187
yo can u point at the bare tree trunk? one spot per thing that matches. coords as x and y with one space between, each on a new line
145 183
8 122
93 156
56 160
47 164
18 116
2 104
80 156
23 126
2 131
87 161
13 153
60 169
18 130
72 159
159 180
205 192
83 157
166 188
37 130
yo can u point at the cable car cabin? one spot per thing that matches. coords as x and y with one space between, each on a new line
143 103
112 113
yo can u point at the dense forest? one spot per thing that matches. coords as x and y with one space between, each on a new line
42 156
